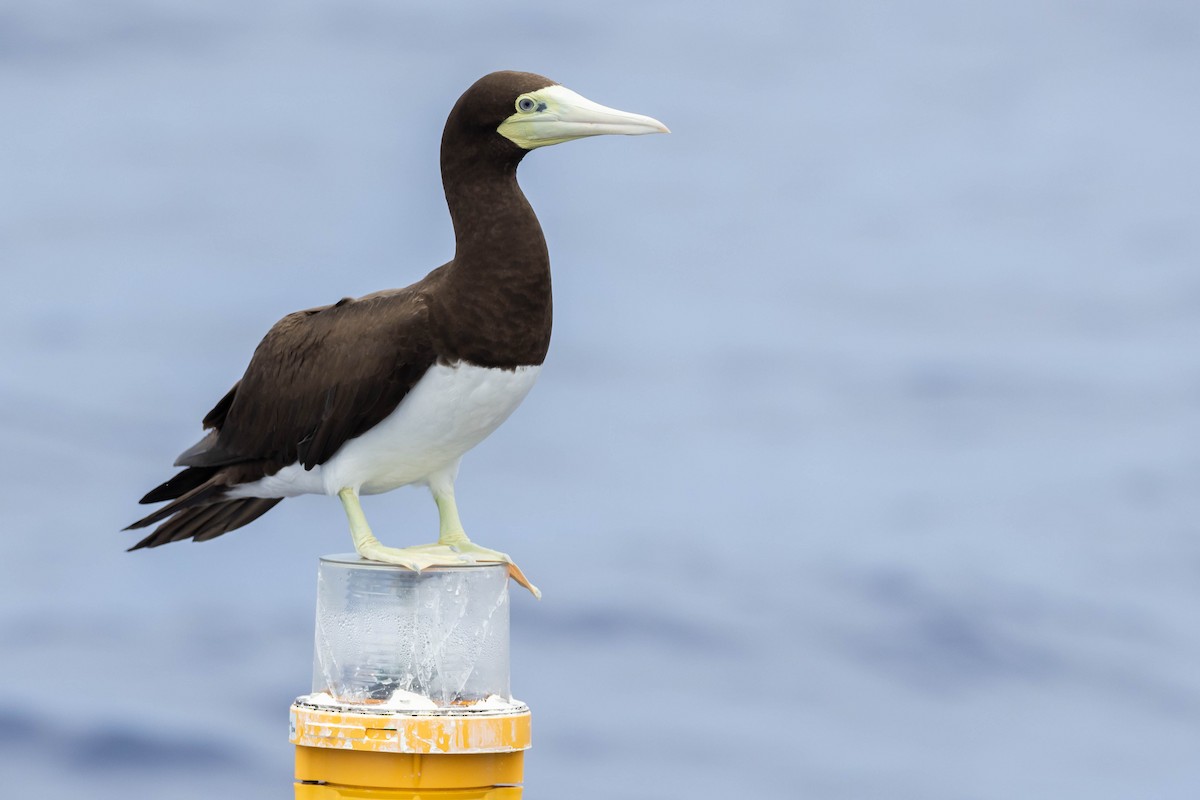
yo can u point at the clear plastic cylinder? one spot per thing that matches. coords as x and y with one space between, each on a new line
393 638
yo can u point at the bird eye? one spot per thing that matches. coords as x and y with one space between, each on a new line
526 104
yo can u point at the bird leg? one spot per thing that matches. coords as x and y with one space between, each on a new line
452 549
451 534
372 549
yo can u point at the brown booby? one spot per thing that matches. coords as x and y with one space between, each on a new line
390 389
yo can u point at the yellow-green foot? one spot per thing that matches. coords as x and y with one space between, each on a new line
453 548
414 558
424 556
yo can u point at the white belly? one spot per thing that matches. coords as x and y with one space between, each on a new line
449 411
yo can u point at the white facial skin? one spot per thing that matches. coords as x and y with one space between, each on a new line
556 114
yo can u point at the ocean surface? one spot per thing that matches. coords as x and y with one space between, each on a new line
865 462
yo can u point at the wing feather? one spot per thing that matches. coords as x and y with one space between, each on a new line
319 378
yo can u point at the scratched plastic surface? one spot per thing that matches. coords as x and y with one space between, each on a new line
388 635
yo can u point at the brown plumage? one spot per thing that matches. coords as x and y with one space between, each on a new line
324 376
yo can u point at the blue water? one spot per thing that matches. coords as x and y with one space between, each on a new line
864 463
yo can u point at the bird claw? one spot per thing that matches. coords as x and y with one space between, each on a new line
515 573
484 555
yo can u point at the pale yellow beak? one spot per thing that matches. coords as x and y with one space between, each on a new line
556 114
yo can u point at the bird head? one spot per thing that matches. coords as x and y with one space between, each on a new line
532 111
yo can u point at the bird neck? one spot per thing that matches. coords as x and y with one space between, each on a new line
500 277
494 225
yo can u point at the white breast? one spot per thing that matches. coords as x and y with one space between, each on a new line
449 411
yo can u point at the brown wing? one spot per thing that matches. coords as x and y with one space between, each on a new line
319 378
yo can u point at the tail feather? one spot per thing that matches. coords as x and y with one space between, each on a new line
181 484
204 522
199 507
205 494
191 522
242 514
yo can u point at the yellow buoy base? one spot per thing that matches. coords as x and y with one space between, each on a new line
365 729
365 753
375 770
317 791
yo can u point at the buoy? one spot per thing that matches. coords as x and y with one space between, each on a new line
410 696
